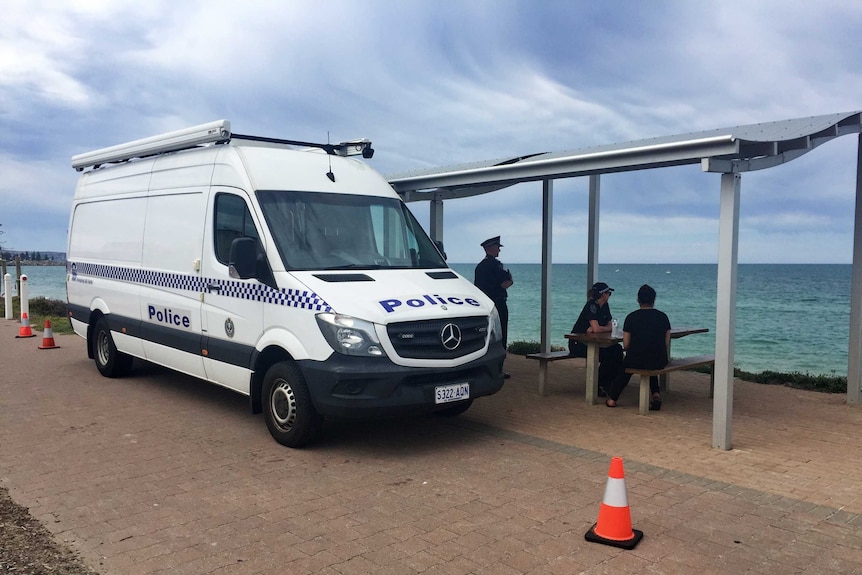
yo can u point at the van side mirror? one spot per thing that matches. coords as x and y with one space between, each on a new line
243 258
439 245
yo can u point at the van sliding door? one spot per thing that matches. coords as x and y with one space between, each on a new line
170 290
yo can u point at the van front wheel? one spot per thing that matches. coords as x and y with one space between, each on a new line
109 361
287 408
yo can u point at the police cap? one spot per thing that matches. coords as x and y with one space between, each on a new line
495 241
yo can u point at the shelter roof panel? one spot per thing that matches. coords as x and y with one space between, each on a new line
737 148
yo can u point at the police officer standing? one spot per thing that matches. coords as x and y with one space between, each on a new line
494 280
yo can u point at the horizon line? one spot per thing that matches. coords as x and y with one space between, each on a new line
673 263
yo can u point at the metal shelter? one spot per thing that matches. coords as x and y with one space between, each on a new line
726 151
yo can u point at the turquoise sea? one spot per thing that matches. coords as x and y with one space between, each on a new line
789 317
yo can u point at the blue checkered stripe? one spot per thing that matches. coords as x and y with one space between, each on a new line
302 299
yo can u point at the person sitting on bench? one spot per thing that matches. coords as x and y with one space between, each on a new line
646 339
596 318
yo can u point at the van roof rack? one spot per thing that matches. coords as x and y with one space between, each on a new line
217 132
212 132
349 148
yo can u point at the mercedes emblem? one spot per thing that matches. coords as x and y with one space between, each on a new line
450 336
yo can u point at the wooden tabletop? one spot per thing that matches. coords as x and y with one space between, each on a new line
603 337
606 338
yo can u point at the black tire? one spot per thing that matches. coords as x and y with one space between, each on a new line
287 408
456 409
109 361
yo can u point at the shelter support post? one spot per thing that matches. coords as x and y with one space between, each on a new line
547 229
593 231
435 219
854 369
725 312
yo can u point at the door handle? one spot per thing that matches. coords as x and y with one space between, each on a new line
213 288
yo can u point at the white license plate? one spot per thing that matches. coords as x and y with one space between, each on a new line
455 392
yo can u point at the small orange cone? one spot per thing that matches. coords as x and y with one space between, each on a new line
24 330
48 337
614 526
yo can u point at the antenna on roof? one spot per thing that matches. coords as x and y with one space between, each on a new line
329 174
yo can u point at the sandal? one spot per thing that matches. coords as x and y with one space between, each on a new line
655 404
611 403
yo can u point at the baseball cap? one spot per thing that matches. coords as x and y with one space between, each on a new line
601 287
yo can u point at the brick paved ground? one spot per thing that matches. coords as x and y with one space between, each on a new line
160 473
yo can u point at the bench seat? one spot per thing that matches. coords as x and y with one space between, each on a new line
675 364
551 356
545 358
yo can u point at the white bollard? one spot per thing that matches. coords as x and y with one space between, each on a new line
7 287
22 294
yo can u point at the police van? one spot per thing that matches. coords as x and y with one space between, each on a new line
287 271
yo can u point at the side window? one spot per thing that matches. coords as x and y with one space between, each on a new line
232 221
391 236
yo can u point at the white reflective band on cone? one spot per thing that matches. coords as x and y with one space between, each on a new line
615 493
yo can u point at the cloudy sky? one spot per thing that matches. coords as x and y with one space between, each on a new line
435 83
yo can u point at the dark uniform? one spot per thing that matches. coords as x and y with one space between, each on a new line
647 348
489 276
611 357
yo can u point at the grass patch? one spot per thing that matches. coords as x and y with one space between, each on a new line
41 309
525 347
795 379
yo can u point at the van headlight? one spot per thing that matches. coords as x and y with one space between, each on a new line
349 335
496 326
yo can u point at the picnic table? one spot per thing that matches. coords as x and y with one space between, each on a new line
595 341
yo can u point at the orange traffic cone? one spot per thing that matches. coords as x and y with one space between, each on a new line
24 330
614 526
48 337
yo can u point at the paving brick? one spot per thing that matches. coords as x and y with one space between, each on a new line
161 473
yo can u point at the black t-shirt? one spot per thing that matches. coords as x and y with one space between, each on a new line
647 329
489 274
592 310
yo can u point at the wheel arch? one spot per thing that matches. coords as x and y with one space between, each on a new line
95 315
261 362
98 310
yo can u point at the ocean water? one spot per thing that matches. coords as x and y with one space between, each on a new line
42 281
789 317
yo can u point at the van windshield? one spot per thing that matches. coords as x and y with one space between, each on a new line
322 231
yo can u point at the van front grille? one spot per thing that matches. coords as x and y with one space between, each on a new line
438 338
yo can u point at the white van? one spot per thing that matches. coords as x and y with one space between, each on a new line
283 270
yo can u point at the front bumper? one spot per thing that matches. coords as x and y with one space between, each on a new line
345 386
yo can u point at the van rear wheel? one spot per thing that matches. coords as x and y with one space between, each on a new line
287 408
109 361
